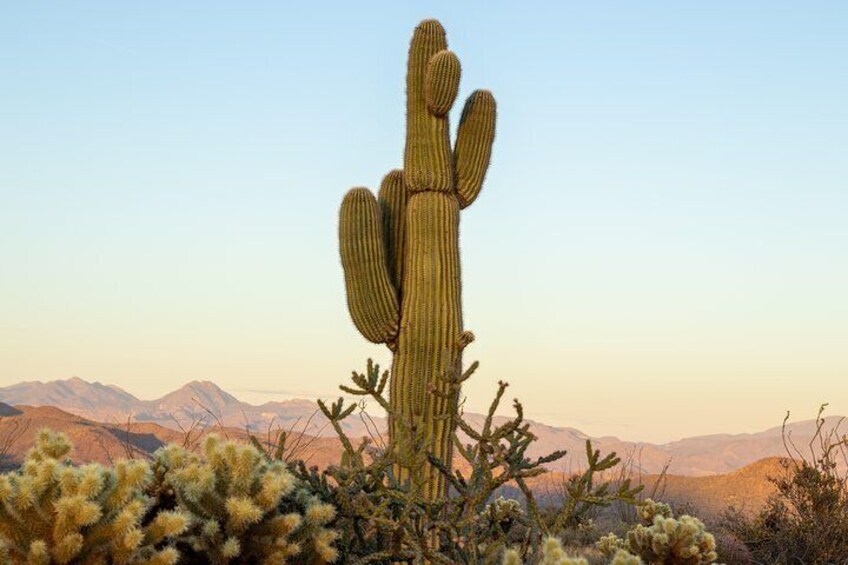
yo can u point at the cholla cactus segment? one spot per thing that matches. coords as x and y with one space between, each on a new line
552 553
502 513
623 557
52 512
649 509
239 502
611 544
512 557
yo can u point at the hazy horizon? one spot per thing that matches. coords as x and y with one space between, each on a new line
660 249
259 397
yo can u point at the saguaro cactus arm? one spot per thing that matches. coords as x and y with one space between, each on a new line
473 147
371 296
441 82
392 199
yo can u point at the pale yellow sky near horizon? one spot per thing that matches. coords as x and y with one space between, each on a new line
603 380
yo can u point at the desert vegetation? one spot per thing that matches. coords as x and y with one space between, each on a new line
806 519
226 501
437 489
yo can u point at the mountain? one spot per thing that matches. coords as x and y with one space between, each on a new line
746 488
75 395
197 403
200 404
108 442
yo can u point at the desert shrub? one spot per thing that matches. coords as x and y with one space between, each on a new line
381 519
54 512
806 519
582 495
731 550
664 539
244 507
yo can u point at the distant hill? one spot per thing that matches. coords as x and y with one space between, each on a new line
200 402
75 395
746 488
708 497
6 410
108 442
203 403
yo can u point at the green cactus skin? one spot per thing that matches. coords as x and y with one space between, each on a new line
403 282
372 299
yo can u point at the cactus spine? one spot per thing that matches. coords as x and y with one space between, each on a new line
400 254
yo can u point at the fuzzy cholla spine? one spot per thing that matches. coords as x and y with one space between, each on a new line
243 508
552 553
664 539
52 512
501 513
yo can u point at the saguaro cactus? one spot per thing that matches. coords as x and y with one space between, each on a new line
400 254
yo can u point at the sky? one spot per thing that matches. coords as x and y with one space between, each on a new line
660 249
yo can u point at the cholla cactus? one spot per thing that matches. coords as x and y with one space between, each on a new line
682 541
52 512
552 554
666 541
384 519
501 513
611 544
246 508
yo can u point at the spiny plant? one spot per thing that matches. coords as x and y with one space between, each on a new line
552 553
664 539
806 517
245 508
400 254
583 494
389 520
382 519
54 512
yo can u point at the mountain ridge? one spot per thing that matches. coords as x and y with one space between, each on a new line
204 403
746 488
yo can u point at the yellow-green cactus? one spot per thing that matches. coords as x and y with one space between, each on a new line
552 553
678 541
54 513
400 254
241 507
664 539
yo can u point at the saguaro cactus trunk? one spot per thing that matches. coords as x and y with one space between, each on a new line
400 254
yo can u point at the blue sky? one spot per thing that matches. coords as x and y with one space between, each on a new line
662 236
